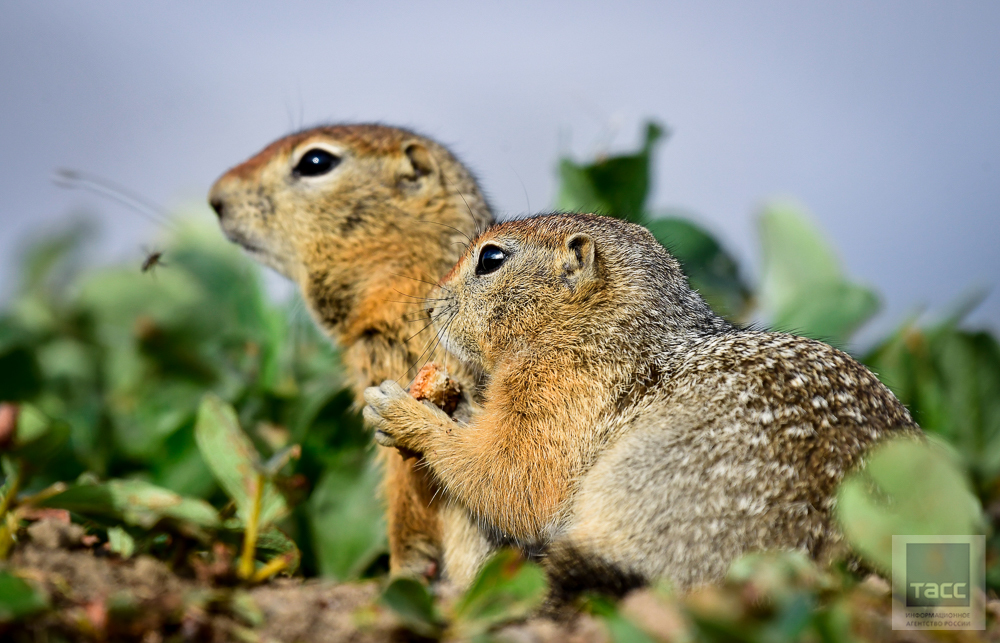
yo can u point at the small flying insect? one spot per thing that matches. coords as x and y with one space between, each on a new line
75 179
153 259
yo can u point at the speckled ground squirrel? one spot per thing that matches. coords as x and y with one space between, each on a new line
364 218
627 432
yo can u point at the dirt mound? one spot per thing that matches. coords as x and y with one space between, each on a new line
99 596
94 595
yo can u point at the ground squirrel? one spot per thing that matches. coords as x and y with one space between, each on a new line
364 218
627 432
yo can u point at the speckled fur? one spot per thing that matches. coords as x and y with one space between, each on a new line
627 431
365 243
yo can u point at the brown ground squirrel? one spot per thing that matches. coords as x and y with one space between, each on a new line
627 432
364 218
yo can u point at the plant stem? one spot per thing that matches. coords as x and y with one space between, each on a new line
13 487
274 566
8 522
43 495
245 570
7 528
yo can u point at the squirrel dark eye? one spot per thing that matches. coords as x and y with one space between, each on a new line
315 163
490 258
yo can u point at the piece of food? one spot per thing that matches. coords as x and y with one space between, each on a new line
433 384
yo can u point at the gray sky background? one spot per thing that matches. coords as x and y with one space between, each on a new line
882 118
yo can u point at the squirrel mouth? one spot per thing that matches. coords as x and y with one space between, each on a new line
259 253
242 241
249 247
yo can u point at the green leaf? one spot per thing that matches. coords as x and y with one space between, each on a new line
234 461
619 186
413 605
907 487
795 255
136 502
68 359
711 270
832 312
969 372
181 468
32 426
346 519
615 186
246 609
18 599
273 543
794 616
803 288
950 380
154 412
311 401
121 542
20 376
621 629
38 437
506 589
775 574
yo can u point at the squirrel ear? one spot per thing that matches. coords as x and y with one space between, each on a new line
580 262
419 162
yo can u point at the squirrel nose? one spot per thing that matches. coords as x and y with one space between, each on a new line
430 311
217 205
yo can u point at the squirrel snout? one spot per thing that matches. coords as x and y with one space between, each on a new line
217 205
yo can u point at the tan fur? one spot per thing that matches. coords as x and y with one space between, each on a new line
365 243
627 432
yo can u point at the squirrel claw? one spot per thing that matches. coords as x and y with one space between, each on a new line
391 389
398 419
383 410
374 419
384 439
381 398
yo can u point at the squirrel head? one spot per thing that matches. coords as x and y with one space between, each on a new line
591 284
339 208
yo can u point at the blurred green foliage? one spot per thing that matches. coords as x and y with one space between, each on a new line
182 405
506 589
907 488
17 598
620 185
613 185
118 360
802 287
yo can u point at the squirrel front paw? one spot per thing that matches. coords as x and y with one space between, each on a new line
398 419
